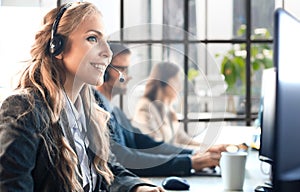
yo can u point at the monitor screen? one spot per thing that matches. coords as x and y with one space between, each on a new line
267 115
286 166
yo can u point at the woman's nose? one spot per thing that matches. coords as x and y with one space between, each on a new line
105 50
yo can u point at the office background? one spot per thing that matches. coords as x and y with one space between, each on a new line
202 36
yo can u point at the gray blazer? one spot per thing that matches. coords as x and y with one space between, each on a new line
25 164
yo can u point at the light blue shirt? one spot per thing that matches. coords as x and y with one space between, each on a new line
78 130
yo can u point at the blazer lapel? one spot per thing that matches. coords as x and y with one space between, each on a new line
64 124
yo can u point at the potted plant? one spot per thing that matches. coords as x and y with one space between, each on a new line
233 65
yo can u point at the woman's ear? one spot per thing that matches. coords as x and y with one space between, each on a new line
60 56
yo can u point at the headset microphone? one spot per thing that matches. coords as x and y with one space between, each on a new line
121 76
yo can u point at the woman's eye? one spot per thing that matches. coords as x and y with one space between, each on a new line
92 39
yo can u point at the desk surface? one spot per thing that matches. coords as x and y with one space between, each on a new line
254 175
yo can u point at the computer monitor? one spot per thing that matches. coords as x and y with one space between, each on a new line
267 123
267 115
286 165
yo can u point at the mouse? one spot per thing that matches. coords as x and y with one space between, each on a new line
175 183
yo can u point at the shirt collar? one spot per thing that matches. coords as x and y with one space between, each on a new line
75 111
106 104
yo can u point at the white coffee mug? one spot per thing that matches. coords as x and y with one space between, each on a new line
232 166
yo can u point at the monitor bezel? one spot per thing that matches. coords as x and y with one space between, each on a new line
267 74
280 173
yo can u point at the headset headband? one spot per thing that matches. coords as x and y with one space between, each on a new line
58 17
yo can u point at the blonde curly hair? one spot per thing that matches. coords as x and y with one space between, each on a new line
46 75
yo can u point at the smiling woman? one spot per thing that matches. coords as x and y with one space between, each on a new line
53 134
83 59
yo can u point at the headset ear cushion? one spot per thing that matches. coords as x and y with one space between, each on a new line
106 75
57 44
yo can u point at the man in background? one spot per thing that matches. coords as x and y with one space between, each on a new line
136 151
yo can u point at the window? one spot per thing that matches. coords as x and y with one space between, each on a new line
192 33
195 34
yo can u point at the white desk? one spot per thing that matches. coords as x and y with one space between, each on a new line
253 176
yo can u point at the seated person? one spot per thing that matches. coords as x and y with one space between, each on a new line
154 114
138 152
47 143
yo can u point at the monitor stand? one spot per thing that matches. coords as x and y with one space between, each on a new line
266 187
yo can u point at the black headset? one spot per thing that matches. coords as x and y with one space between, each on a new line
106 74
57 41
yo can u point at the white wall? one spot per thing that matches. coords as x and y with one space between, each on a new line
20 3
18 26
293 6
19 21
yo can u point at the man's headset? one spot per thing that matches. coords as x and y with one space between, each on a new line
57 41
106 75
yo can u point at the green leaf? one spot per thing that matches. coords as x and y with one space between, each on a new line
256 65
242 30
254 51
229 71
192 73
268 63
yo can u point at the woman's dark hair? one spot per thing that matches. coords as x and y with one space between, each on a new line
159 77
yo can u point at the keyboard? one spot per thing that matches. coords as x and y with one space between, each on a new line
208 172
